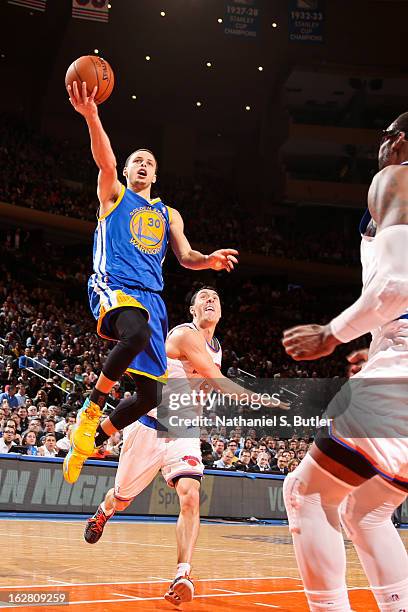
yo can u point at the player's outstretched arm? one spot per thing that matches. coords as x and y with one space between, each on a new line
385 298
108 185
187 343
223 259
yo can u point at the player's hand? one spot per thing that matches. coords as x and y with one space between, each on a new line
356 360
273 403
83 104
223 259
307 342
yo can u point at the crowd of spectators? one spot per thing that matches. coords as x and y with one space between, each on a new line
50 355
38 173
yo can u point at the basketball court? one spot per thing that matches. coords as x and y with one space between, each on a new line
236 566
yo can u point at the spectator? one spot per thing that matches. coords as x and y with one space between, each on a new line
25 361
21 395
233 446
248 444
30 442
292 465
207 454
233 370
226 462
101 452
49 428
49 448
218 450
242 464
7 441
64 443
262 463
254 457
281 466
9 394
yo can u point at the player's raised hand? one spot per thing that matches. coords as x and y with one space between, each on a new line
306 342
223 259
275 404
356 360
83 104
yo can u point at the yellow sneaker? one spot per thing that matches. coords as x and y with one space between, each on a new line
82 440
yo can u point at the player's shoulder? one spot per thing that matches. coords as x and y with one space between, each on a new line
392 172
174 215
185 332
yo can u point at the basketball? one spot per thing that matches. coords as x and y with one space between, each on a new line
93 70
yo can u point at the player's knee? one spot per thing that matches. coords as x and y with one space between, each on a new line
293 499
149 391
139 336
357 517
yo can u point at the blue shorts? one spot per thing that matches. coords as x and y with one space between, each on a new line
105 298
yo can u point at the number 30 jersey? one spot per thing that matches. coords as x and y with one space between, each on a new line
131 241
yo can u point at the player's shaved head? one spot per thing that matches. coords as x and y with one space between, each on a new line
401 123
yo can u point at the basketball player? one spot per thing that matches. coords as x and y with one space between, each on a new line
194 355
130 245
359 481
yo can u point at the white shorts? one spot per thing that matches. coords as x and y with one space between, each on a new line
375 423
144 454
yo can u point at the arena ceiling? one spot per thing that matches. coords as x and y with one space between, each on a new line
36 49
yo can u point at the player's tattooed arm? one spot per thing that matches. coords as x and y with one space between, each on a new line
388 197
223 259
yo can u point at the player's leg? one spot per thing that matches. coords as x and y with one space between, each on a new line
95 525
129 326
181 589
312 499
366 516
148 370
148 396
139 462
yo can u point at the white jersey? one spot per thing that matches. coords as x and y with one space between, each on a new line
372 410
388 354
182 377
174 457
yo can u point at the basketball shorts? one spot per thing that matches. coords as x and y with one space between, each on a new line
371 410
105 298
144 454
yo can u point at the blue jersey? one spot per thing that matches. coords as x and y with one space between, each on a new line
131 240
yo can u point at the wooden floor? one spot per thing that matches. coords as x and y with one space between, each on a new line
238 567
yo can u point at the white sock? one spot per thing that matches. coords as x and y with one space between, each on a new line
322 601
105 511
183 569
392 598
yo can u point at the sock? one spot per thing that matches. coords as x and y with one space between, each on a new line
320 601
392 598
98 397
183 569
100 436
105 511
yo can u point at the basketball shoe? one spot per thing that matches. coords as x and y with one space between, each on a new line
180 591
82 440
95 525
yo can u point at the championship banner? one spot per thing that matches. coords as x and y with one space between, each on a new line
92 10
306 21
242 18
35 5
